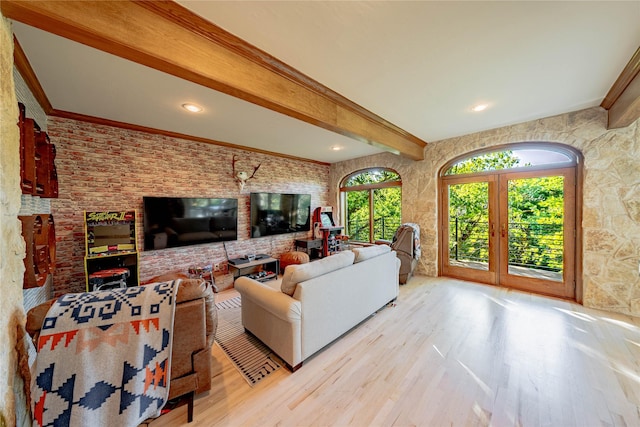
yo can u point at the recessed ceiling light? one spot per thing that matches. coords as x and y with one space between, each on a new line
479 107
336 147
192 107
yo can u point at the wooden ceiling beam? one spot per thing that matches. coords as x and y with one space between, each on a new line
623 99
168 37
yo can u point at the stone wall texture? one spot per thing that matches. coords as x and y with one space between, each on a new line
611 196
104 168
12 249
30 205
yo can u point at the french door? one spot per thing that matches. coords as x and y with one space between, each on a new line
512 229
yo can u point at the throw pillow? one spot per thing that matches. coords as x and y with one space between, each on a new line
295 274
370 252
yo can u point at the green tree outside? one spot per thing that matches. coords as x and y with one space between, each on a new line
536 214
387 205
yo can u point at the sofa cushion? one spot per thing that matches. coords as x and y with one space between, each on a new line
367 252
295 274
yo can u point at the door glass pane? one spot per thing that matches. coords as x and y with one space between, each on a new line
357 214
469 225
387 204
536 232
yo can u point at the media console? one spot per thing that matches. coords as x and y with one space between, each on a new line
259 269
247 258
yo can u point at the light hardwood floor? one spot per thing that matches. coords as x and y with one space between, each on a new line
449 353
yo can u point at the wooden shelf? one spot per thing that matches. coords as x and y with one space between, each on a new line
256 266
38 175
39 235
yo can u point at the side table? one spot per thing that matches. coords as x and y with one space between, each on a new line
313 247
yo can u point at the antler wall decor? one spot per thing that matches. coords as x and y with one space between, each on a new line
242 177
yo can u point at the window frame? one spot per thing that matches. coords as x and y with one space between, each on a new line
344 189
572 154
576 162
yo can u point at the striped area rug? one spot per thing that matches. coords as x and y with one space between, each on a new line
253 359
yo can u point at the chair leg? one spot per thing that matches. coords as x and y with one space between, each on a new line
190 397
293 368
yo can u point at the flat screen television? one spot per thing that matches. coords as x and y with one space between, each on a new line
276 213
171 222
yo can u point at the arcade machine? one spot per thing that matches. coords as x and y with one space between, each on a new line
324 227
111 258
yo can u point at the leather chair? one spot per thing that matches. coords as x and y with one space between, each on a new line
195 324
406 243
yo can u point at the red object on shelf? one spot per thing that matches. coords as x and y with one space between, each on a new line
110 272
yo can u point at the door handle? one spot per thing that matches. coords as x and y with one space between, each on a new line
504 230
492 229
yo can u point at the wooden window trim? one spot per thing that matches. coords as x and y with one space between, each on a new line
370 188
578 163
572 153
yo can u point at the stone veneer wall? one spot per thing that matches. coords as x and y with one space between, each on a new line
33 204
13 406
106 168
611 196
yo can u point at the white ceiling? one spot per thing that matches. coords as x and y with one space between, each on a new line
421 65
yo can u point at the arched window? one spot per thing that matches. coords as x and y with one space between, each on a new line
371 204
509 216
522 156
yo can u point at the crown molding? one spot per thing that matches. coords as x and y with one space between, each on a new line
24 68
176 135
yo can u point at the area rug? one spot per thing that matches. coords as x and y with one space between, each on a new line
254 360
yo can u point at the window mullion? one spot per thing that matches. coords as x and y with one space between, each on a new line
371 216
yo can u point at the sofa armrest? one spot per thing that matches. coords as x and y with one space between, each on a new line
202 368
188 336
277 303
192 289
272 316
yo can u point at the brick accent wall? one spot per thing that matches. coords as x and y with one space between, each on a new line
106 168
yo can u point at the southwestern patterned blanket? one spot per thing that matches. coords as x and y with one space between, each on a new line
104 357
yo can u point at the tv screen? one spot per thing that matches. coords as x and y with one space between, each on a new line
275 213
171 222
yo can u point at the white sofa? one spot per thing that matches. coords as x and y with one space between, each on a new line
313 304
